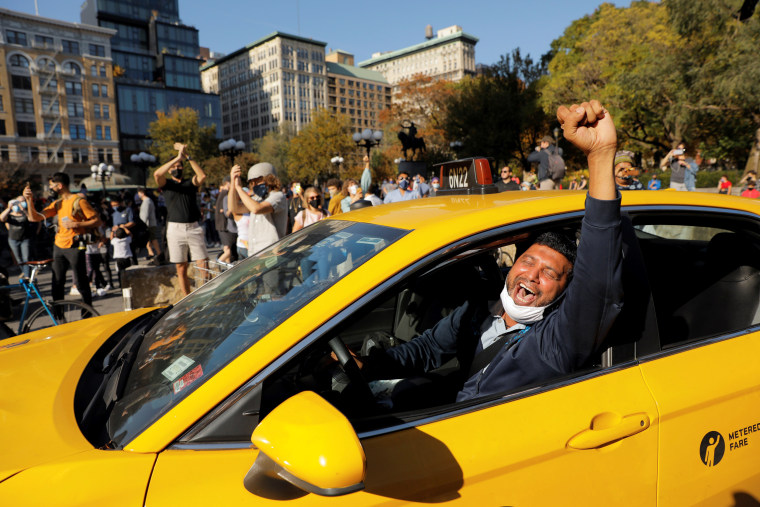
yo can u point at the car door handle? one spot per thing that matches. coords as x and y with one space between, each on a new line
607 428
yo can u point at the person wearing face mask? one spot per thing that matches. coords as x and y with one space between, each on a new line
435 183
312 211
121 214
75 216
352 192
268 206
19 233
333 188
625 173
184 235
557 304
404 192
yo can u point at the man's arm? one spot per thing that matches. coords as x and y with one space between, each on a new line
590 128
32 214
255 207
199 176
160 174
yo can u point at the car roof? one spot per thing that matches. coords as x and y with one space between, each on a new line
457 214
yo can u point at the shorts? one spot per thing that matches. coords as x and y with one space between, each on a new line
547 184
183 237
152 233
229 239
678 186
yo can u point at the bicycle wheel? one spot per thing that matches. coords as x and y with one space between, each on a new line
64 311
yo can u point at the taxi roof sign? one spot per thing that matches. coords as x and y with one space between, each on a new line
466 177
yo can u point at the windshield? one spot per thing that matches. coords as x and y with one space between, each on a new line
219 321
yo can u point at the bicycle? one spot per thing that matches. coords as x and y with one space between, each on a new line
51 313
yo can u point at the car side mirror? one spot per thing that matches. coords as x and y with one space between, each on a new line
310 444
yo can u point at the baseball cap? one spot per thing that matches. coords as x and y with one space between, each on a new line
261 169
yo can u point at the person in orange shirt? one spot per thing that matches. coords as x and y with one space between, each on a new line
75 216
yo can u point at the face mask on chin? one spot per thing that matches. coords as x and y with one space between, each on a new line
521 314
176 173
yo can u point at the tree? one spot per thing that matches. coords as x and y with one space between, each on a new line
498 114
422 100
274 148
216 168
310 151
679 70
181 125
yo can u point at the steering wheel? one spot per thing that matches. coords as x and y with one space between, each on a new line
351 368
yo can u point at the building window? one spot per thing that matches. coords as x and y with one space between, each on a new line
73 88
75 109
102 71
94 71
19 61
5 154
104 90
23 105
72 68
14 37
53 130
21 82
99 133
77 132
101 155
26 129
97 50
109 157
96 111
107 133
2 128
41 41
106 112
96 90
70 46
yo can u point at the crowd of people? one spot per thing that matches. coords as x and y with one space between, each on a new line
248 212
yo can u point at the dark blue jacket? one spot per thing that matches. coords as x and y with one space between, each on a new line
542 158
557 345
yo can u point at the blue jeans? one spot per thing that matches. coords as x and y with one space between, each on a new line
20 249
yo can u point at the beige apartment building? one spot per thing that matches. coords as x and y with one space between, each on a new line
449 55
279 78
57 98
359 93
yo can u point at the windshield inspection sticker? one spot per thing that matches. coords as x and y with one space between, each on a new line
187 379
176 368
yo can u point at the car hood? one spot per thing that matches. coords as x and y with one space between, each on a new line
39 372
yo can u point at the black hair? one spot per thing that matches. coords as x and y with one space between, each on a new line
560 243
120 233
61 178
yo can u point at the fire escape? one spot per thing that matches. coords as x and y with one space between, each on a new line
50 95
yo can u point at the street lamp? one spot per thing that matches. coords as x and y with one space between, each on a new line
337 161
102 173
367 139
142 160
231 148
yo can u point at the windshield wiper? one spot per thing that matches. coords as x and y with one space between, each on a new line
117 363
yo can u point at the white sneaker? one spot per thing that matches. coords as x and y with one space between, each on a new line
107 287
100 292
74 292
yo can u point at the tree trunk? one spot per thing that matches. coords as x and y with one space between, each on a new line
753 162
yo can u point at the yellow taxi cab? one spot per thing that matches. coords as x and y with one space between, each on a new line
247 393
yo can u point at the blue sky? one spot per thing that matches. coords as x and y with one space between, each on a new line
362 27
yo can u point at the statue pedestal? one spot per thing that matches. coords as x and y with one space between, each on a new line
413 168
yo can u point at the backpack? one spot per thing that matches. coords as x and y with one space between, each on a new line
556 164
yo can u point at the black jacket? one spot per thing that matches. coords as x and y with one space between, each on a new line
558 344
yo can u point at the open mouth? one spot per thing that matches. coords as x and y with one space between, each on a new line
524 296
